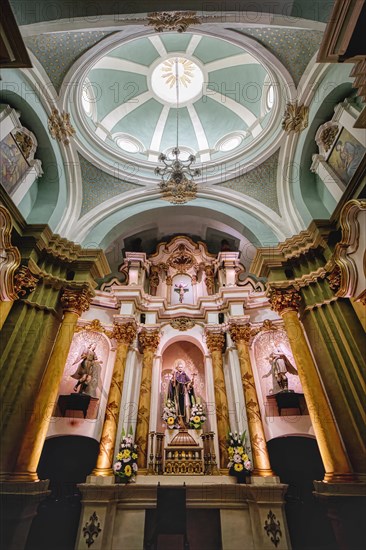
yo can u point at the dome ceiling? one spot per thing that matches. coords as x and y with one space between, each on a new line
128 101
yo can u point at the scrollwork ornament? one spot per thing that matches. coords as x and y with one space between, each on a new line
94 326
149 339
335 278
10 257
124 332
268 325
284 299
60 127
178 21
272 528
295 118
25 281
182 323
181 259
76 301
328 136
91 529
25 143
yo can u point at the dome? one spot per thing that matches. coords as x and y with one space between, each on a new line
227 102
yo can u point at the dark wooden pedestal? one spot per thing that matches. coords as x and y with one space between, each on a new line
288 400
74 402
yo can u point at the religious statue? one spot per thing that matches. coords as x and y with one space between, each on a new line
154 279
210 281
181 289
280 366
181 392
87 373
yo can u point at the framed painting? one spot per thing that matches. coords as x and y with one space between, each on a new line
346 155
13 163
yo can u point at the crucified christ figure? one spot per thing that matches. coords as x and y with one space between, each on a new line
181 289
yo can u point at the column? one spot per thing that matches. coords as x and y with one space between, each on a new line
124 333
5 307
74 302
149 341
337 468
242 335
215 340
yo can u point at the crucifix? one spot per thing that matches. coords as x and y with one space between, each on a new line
181 289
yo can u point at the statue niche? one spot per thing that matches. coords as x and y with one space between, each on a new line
183 391
182 290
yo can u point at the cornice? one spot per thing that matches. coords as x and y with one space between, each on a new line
304 280
315 236
39 239
154 304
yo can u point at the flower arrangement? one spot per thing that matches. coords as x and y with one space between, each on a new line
197 417
125 466
169 415
239 463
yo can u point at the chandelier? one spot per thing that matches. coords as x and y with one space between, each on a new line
177 185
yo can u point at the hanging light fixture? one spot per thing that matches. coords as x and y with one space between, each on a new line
177 185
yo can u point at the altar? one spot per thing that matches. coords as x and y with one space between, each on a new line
249 516
184 388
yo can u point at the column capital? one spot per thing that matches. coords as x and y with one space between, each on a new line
242 332
284 299
25 281
215 338
123 331
76 300
149 339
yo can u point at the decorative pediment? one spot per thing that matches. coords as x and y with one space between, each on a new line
182 255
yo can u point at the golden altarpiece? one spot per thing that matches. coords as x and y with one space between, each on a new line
186 327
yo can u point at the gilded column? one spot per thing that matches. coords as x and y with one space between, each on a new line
241 335
124 333
149 341
335 461
74 302
215 340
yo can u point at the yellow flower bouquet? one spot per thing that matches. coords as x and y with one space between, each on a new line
239 463
125 466
197 417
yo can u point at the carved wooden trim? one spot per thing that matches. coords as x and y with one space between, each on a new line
9 258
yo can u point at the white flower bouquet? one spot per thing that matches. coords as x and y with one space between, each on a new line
169 415
197 417
125 466
239 462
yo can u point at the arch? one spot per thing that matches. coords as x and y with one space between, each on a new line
311 198
46 199
261 221
296 460
65 461
183 338
192 221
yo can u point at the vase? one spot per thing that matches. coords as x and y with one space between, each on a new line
241 477
120 480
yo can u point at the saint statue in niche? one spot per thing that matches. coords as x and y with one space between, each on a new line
181 288
181 392
280 366
87 373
